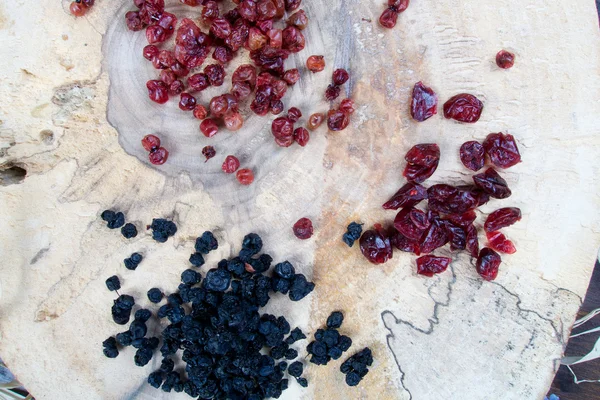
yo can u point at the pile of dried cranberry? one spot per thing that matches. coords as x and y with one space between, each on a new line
450 213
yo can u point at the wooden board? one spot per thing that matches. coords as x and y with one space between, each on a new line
453 336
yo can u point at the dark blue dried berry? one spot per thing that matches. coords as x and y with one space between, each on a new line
129 231
352 234
190 277
162 229
335 319
113 283
155 295
295 369
206 243
110 347
197 260
217 280
143 315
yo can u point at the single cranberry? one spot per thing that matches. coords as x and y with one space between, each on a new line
215 74
256 39
452 200
332 92
269 58
164 59
168 22
505 59
411 223
298 19
435 237
463 220
218 106
291 76
285 141
150 52
502 218
402 243
488 264
399 5
198 82
315 121
291 5
157 91
457 236
158 156
294 114
208 152
155 34
472 241
388 18
223 54
340 76
500 243
315 63
210 12
150 142
200 112
230 165
151 11
233 121
209 127
431 265
241 90
463 107
347 106
408 195
493 184
293 39
424 102
262 100
265 25
220 28
301 136
337 120
265 9
280 8
176 88
276 107
247 10
179 70
275 38
303 228
423 160
279 89
187 102
167 76
502 150
133 21
238 36
245 176
282 128
472 155
77 9
375 245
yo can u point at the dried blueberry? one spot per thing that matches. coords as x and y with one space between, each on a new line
352 234
162 229
143 315
217 280
155 295
335 319
124 338
300 287
113 283
295 369
190 277
206 243
129 231
117 220
110 347
302 382
285 270
197 260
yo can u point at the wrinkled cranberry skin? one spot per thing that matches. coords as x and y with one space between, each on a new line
209 127
457 235
388 18
502 150
402 243
200 112
262 100
505 59
208 152
164 60
298 19
291 76
133 21
463 107
337 120
408 195
502 218
423 160
431 265
493 184
472 155
282 129
233 121
176 88
157 91
294 114
463 220
451 200
315 121
340 76
220 28
158 156
150 52
332 92
291 5
411 223
399 5
210 11
247 10
376 246
150 142
187 102
265 9
269 58
167 76
245 73
424 102
436 236
215 74
168 22
230 165
347 106
275 38
293 39
276 107
303 228
179 70
472 241
198 82
245 176
301 136
256 40
222 54
488 264
500 243
315 63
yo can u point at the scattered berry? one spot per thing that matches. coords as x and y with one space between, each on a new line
113 283
315 63
155 295
505 59
230 165
303 228
352 234
162 229
129 230
208 152
245 176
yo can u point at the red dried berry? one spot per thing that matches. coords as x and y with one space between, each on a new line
424 102
187 102
332 92
505 59
457 236
303 228
133 21
220 28
502 218
375 246
502 150
293 39
500 243
472 155
198 82
157 91
488 264
233 121
245 73
408 195
269 58
150 142
210 12
315 63
265 9
423 160
411 223
340 76
155 34
472 241
315 121
463 220
176 88
298 19
301 136
493 184
200 112
275 38
388 18
282 129
222 54
337 120
167 76
168 22
77 9
150 52
431 265
291 5
276 107
463 107
291 76
256 39
209 127
179 69
435 237
158 156
398 5
230 165
402 243
245 176
215 74
208 152
347 106
294 114
452 200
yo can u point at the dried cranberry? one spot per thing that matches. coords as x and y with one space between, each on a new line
164 60
192 46
265 9
505 59
152 10
208 152
276 107
222 54
452 200
176 88
493 184
431 265
402 243
167 76
472 241
275 38
294 114
179 69
424 102
220 28
502 150
500 243
279 88
502 218
230 165
77 9
488 264
315 63
332 92
282 128
256 40
347 106
262 101
303 228
198 82
398 5
337 120
155 34
301 136
298 19
133 21
157 91
436 236
293 39
210 12
200 112
408 195
245 73
150 52
291 5
423 160
472 155
315 121
388 18
279 7
463 107
233 121
215 74
463 220
187 102
150 142
168 22
269 58
291 76
375 246
238 36
411 223
209 127
247 10
245 176
158 156
457 236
